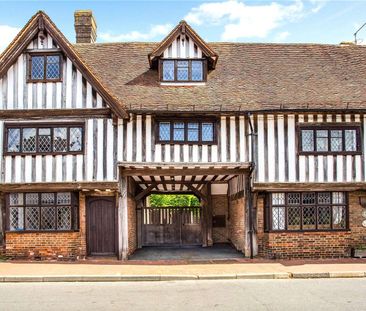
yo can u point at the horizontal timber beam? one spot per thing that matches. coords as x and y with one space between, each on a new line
296 186
17 114
49 186
181 172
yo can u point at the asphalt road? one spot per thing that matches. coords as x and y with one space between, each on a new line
315 294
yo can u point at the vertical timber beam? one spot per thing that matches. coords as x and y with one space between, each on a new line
139 209
209 216
123 218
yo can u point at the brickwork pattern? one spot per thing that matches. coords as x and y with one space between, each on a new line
49 245
326 244
132 227
237 223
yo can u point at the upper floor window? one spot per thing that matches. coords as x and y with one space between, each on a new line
46 211
329 140
296 211
44 67
32 139
183 70
188 132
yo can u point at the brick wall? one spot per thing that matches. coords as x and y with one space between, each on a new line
220 207
313 244
49 245
132 228
236 224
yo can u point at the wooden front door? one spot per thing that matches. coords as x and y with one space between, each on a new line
101 226
171 226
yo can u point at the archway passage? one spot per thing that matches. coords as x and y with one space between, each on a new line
172 220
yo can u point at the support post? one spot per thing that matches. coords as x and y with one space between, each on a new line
123 219
209 216
139 209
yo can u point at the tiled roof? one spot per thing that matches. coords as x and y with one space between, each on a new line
247 77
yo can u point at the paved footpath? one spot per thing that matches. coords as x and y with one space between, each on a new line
113 271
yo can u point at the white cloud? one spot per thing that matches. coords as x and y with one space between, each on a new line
155 31
245 21
318 5
282 36
7 34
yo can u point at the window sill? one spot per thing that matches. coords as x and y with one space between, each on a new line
40 231
186 143
302 153
309 231
23 154
201 83
44 81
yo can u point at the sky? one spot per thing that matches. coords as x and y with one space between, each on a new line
294 21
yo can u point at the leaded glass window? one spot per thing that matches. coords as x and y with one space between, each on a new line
168 70
45 67
41 211
44 139
308 211
184 131
182 70
193 131
332 139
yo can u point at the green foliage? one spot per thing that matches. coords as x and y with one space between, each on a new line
157 200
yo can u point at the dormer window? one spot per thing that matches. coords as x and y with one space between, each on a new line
44 67
183 70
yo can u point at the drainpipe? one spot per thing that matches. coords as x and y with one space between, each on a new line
249 186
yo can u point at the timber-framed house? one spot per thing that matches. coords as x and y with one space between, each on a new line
269 137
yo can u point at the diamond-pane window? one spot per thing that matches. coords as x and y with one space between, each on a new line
339 217
16 199
336 140
193 131
307 140
182 70
207 132
44 140
31 199
60 139
324 198
164 131
16 218
322 140
309 218
350 140
13 140
29 140
278 199
75 139
278 218
294 198
324 217
178 131
168 70
64 218
48 215
197 70
48 198
294 218
37 72
32 218
63 198
53 67
308 198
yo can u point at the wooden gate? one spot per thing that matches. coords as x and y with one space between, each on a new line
171 226
101 226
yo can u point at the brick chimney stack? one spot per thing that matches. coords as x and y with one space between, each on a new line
85 26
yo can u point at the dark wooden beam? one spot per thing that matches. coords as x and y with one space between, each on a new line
342 186
49 186
181 172
55 113
197 193
145 192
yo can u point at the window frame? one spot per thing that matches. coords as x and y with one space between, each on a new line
37 126
200 121
44 55
269 212
175 80
75 209
329 128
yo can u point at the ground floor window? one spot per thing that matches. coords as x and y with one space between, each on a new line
302 211
48 211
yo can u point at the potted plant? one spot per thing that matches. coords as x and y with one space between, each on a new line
359 251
